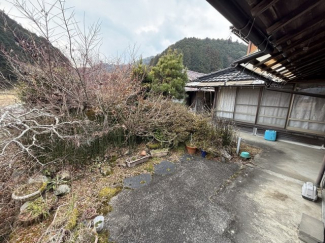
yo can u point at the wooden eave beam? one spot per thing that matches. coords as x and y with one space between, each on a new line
311 71
262 6
304 41
304 69
315 62
302 9
316 81
292 68
304 28
304 59
312 51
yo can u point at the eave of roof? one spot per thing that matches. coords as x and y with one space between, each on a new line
291 32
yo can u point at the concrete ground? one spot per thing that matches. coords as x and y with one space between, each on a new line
208 201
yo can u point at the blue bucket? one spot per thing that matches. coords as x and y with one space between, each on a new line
203 153
270 135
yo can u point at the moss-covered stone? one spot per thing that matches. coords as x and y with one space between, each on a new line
107 193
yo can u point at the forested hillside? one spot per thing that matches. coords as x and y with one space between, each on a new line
12 36
206 55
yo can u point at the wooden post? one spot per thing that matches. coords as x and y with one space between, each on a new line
290 107
258 104
233 114
320 173
214 103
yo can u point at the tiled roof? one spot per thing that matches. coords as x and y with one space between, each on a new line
193 75
227 74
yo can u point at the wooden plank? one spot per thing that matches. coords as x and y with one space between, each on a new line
310 81
317 67
258 104
274 106
307 41
305 120
307 6
304 28
300 67
276 117
262 6
305 130
233 114
312 51
290 106
298 93
307 58
306 74
312 66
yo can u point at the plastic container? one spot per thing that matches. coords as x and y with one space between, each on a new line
245 155
270 135
203 153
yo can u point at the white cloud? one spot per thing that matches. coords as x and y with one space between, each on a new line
151 25
146 29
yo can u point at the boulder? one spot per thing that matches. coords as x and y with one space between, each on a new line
62 190
225 154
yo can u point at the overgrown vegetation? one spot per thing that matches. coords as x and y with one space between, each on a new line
75 112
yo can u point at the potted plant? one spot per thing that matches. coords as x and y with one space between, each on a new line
191 147
159 152
34 211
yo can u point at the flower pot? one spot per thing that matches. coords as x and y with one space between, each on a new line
191 149
29 191
159 152
203 153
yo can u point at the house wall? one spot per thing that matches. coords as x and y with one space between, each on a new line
276 110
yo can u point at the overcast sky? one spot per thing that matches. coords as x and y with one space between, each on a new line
150 25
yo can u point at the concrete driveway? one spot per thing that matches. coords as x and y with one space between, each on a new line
208 201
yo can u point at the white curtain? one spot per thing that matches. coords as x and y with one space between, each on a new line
246 104
226 102
308 113
274 108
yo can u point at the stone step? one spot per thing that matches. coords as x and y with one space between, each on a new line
311 230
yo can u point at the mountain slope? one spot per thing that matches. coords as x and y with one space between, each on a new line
12 35
206 55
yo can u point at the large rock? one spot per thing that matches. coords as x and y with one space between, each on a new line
225 154
62 190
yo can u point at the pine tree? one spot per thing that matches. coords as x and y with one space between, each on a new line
169 75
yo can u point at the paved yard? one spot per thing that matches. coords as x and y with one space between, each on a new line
208 201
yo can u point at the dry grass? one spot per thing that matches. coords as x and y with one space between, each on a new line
8 98
86 184
88 181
